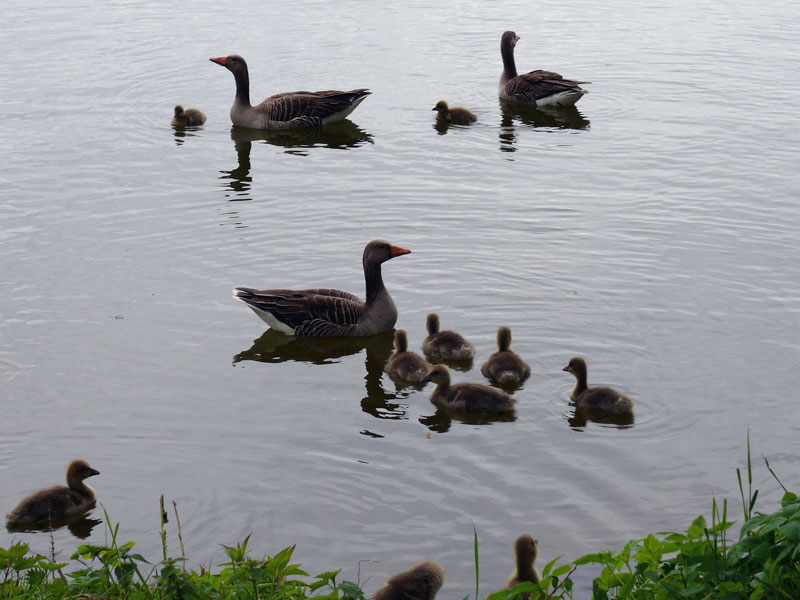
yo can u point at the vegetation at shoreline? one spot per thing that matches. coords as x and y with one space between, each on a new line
702 562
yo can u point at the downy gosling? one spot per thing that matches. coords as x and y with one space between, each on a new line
404 365
455 115
595 399
420 582
466 397
505 366
187 118
446 345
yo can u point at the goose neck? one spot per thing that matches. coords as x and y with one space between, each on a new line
242 85
374 281
509 66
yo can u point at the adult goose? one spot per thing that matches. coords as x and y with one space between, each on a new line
446 345
541 88
420 582
505 366
466 397
526 550
331 313
55 503
289 110
595 399
404 365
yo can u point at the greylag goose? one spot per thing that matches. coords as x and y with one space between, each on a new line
526 550
188 117
542 88
466 397
505 366
331 313
57 502
420 582
455 115
447 345
404 365
289 110
595 399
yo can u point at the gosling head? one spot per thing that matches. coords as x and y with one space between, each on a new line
503 339
78 470
527 549
441 106
576 366
432 324
439 374
400 340
178 111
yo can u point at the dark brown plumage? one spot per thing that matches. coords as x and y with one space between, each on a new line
404 365
187 118
595 399
447 345
455 115
505 366
541 88
288 110
466 397
331 313
56 502
420 582
526 549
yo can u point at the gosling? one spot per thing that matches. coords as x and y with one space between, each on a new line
526 549
505 366
455 115
595 399
447 345
56 502
466 397
404 365
188 117
420 582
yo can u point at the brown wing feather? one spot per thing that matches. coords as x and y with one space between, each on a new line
308 109
530 87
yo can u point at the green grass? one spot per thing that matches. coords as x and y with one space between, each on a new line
702 562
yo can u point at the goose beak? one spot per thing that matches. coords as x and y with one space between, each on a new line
93 472
397 251
220 60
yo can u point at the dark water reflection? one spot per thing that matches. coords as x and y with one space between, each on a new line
79 525
580 418
549 117
340 135
441 420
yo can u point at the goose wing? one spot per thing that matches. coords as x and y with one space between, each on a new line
309 109
538 84
301 309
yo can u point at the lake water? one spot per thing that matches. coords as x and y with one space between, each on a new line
654 231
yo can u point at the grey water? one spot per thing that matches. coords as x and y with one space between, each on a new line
653 230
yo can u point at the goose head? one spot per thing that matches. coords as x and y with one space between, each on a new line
232 62
432 323
77 471
379 251
439 374
400 340
509 39
576 366
526 549
503 339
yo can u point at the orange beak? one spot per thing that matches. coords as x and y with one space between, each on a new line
397 251
220 61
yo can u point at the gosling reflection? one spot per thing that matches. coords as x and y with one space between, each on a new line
579 418
275 347
548 117
79 525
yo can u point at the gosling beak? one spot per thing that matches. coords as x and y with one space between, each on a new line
221 60
434 108
397 251
93 472
518 38
426 379
565 368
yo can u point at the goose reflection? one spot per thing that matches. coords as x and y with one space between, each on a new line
79 525
546 117
275 347
579 418
339 135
